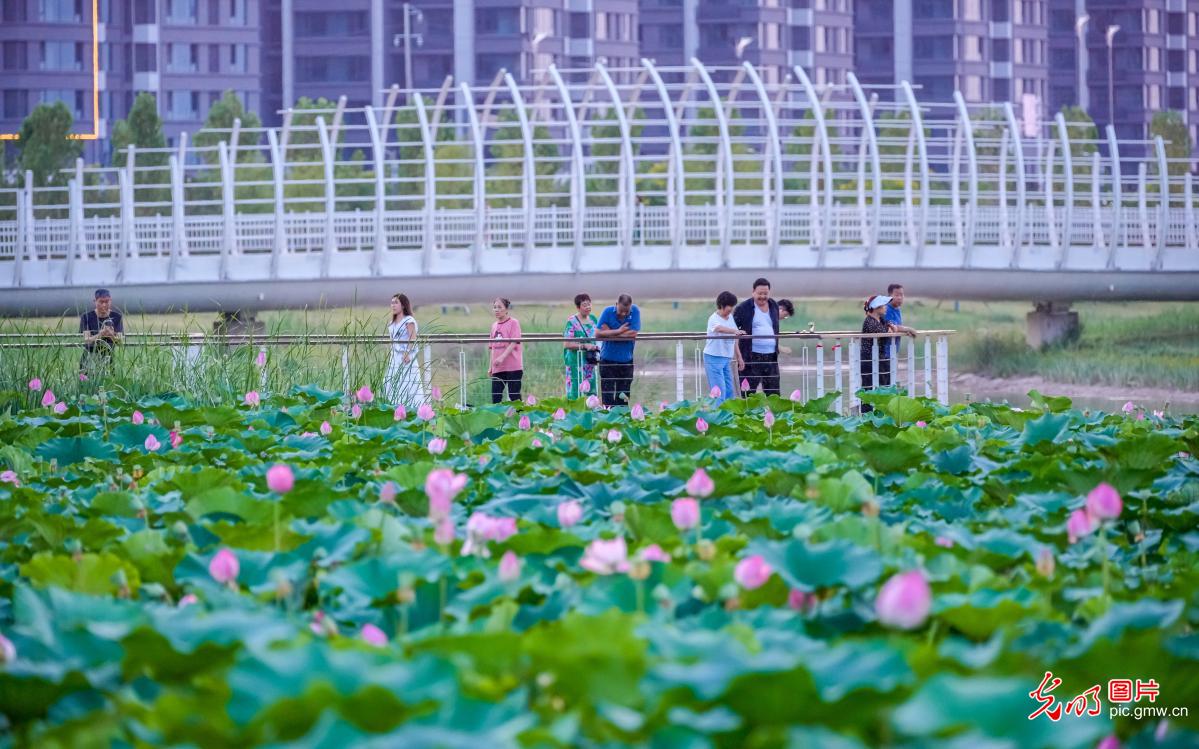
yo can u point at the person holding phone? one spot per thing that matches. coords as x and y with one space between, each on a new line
580 353
102 328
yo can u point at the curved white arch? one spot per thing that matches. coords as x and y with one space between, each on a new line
330 247
530 170
478 183
675 195
876 169
972 168
775 167
577 184
726 150
1163 201
426 138
278 233
826 156
1009 115
625 198
372 125
917 125
1068 179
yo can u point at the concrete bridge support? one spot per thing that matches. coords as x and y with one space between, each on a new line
1051 323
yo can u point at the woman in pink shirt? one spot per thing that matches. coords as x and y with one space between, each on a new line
507 365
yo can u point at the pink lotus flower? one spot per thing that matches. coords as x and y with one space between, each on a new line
482 528
1128 407
82 377
425 412
510 565
1079 524
437 446
224 566
662 406
569 513
48 398
510 412
701 426
559 415
364 394
585 387
443 535
322 626
260 360
768 419
752 572
326 428
798 600
138 418
921 424
387 493
1159 414
524 424
400 413
531 400
637 412
592 402
904 601
280 479
441 486
1103 502
606 557
744 385
796 396
943 542
176 440
700 484
152 443
35 384
1140 415
10 477
435 393
373 635
536 442
614 436
1045 562
1111 741
654 553
714 392
8 651
60 408
684 512
252 399
355 411
187 600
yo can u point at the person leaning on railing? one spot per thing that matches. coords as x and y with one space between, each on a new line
873 324
618 329
102 328
580 357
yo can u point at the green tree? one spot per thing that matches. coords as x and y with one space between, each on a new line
1173 130
152 178
505 174
46 148
253 188
354 187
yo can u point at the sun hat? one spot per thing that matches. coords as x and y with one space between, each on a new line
879 301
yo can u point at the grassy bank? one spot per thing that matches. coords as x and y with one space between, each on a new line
1123 344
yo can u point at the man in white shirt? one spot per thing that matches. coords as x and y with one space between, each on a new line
758 318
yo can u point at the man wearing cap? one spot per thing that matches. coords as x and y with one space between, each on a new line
102 328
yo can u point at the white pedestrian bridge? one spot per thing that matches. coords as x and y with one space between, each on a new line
664 182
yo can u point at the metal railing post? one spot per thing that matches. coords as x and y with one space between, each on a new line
679 395
855 372
462 378
928 367
943 370
837 375
911 347
819 369
345 370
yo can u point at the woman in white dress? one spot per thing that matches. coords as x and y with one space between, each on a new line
403 385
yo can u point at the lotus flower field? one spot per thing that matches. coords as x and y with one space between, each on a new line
326 570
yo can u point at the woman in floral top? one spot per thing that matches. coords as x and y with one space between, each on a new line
579 357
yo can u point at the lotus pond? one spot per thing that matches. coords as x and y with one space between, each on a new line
311 571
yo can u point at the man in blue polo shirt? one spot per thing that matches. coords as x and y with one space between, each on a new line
618 328
894 316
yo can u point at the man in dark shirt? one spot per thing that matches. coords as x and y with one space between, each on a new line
102 328
759 316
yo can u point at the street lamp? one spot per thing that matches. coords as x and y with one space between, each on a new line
406 38
742 43
537 40
1111 86
1080 30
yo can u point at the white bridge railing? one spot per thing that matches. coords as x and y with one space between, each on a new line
600 169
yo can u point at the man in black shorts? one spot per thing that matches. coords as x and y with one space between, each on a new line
102 329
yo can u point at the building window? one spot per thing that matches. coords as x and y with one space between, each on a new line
972 10
332 69
580 25
331 23
1062 59
62 56
182 58
933 9
237 58
768 36
486 66
670 36
933 47
972 87
545 21
1178 98
498 21
182 12
1153 59
972 48
61 11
